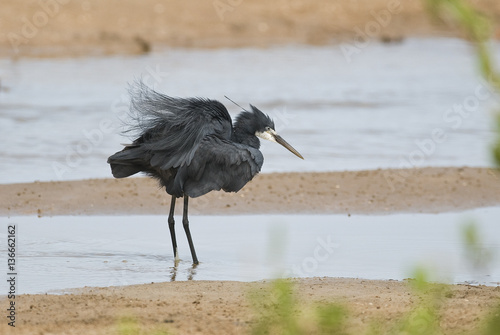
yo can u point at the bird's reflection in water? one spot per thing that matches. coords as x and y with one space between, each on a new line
175 268
192 271
173 271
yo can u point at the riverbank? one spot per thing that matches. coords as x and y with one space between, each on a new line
92 28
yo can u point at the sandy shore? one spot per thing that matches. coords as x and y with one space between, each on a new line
217 307
99 27
429 190
207 307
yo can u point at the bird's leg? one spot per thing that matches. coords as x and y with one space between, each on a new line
185 223
171 223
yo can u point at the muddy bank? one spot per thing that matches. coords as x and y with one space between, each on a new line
425 190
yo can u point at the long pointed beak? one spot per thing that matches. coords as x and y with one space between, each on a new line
284 143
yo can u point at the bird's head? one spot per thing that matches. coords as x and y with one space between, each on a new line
264 128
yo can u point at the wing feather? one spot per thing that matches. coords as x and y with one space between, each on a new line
169 130
220 164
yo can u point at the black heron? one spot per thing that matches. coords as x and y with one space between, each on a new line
191 147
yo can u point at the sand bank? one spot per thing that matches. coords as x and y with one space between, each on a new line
100 27
213 307
425 190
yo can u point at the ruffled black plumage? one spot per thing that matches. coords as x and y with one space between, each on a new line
190 144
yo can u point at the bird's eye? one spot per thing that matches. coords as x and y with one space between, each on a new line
267 128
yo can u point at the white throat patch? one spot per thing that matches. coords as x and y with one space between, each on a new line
266 135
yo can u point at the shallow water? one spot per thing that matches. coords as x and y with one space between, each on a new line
56 253
60 118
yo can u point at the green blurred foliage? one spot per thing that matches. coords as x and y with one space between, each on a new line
424 317
280 312
479 30
331 318
128 325
276 306
422 320
476 252
476 27
492 326
496 146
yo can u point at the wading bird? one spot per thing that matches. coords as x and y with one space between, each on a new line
191 147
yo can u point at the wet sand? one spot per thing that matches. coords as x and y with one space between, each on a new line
214 307
101 27
425 190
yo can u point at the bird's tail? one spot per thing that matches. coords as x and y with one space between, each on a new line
124 163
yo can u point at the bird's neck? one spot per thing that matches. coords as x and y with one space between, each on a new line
244 137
